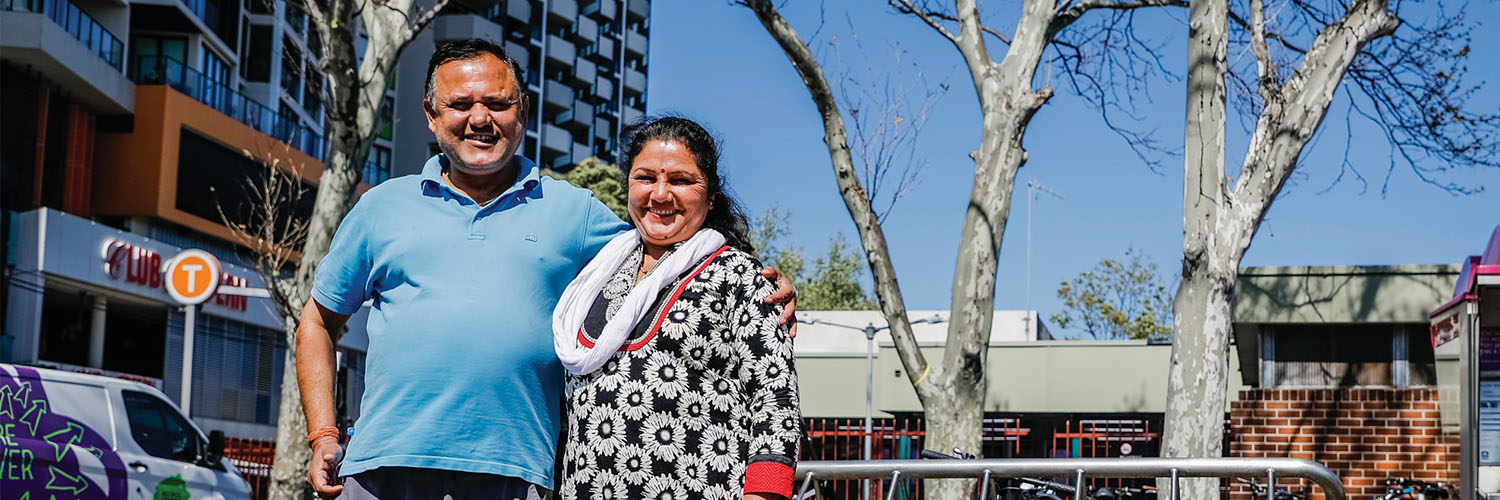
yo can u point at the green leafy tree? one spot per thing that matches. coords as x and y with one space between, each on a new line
605 180
833 283
1117 299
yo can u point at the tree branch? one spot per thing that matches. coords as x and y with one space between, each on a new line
1265 67
1067 17
871 235
906 7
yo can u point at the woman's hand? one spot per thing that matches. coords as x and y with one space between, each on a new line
785 294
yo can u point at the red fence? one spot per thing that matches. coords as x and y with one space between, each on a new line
253 459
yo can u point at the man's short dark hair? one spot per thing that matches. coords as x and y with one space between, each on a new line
463 50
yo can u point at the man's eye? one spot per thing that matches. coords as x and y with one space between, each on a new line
461 106
498 106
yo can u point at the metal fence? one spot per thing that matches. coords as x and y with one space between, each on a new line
253 458
1074 470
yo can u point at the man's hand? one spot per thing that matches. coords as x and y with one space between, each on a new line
785 294
323 469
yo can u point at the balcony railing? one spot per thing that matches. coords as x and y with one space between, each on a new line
73 20
162 70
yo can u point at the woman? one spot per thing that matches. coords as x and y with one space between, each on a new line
680 380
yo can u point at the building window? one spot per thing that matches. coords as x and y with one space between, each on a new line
312 101
149 54
206 167
259 6
291 70
378 169
387 110
258 53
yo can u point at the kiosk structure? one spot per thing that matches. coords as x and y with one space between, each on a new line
1466 346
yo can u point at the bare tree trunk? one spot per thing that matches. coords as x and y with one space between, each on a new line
357 91
1219 223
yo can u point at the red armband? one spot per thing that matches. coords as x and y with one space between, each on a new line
769 477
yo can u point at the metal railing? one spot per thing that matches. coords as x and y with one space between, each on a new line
1076 468
77 23
163 70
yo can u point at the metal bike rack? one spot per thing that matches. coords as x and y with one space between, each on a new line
1077 468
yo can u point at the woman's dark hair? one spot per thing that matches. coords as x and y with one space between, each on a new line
725 216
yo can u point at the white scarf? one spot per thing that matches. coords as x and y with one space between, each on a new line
579 297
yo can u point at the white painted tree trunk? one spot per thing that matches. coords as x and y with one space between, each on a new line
357 90
1219 223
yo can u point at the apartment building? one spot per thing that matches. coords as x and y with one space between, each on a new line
129 132
585 62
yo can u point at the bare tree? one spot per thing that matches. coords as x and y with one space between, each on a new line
952 392
356 88
1406 80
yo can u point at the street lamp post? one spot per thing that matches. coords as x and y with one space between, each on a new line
870 331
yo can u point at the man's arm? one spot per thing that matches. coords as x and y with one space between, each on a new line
315 375
785 294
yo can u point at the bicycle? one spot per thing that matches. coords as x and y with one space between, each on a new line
1400 488
1258 490
1027 489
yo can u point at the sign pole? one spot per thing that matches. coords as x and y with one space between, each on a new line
190 313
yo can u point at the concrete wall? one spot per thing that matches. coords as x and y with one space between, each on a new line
1046 376
1342 294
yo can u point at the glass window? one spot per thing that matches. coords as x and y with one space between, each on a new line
291 70
159 429
258 61
259 6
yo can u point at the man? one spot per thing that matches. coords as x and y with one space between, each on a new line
465 264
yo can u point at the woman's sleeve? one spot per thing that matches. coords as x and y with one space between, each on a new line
769 379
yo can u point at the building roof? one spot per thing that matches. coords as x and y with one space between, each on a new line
1341 294
841 332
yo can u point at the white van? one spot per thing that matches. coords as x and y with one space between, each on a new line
69 435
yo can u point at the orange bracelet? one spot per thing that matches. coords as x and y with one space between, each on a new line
322 432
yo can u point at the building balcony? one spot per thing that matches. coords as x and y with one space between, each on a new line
465 26
561 50
635 43
518 10
607 10
566 10
632 115
585 31
167 71
519 52
557 95
635 80
584 73
604 88
581 152
638 8
69 47
159 167
604 50
556 139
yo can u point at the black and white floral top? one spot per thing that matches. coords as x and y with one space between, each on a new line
700 402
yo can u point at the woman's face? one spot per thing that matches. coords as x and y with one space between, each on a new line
668 193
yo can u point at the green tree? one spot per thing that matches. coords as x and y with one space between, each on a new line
605 180
1117 299
833 283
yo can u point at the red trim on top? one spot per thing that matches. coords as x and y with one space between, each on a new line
668 308
769 477
664 310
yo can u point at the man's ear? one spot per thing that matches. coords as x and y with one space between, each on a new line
432 115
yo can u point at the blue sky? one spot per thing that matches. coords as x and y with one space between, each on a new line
712 61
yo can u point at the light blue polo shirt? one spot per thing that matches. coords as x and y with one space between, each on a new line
460 373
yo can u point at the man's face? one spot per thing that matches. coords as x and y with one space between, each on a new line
478 113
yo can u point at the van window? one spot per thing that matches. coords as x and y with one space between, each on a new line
86 404
159 429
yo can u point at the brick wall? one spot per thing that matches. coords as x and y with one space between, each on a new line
1363 435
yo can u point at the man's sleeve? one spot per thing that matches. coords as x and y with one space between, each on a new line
342 281
600 225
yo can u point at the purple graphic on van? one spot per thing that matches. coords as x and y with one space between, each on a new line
40 450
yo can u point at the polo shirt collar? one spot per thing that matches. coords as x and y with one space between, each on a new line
432 176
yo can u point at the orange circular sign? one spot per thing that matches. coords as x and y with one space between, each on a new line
192 276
